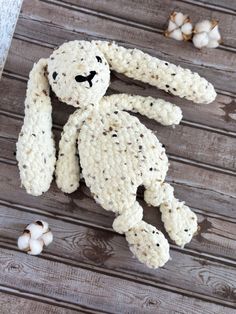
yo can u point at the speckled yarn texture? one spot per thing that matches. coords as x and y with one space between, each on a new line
114 150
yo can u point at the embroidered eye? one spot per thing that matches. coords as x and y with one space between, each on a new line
54 75
99 59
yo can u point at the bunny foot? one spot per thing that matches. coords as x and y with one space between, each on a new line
148 244
179 221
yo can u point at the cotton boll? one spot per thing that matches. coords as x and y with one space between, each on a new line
187 28
178 18
176 34
43 224
203 26
171 26
36 247
214 34
36 230
206 34
23 241
47 238
212 44
179 27
200 40
34 237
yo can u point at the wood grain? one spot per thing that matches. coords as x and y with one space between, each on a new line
88 268
109 250
93 289
215 65
216 236
18 305
201 188
216 116
208 147
226 6
155 15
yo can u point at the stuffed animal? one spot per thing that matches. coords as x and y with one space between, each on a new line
117 153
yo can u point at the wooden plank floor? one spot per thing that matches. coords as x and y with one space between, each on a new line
89 268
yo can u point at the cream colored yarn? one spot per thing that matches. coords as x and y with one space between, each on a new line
117 153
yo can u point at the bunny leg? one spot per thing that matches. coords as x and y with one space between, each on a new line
146 242
179 221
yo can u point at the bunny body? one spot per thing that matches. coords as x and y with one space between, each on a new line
116 151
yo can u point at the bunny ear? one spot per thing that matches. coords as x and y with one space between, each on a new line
173 79
35 146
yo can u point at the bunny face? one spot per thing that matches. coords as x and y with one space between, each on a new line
78 73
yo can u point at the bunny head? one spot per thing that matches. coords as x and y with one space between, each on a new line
78 73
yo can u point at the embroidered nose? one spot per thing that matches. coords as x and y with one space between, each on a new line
81 78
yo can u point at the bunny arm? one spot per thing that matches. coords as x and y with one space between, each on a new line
35 146
67 167
174 79
162 111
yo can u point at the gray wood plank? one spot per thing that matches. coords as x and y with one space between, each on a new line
202 188
216 237
93 289
214 64
18 305
155 15
107 250
207 190
8 17
218 115
74 217
208 147
227 6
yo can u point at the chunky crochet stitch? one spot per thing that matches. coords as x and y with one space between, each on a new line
116 152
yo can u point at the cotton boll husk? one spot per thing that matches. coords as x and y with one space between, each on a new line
47 238
176 34
203 26
200 40
23 241
36 247
35 230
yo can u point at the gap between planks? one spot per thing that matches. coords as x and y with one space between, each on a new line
203 165
12 75
127 22
46 300
189 123
192 252
127 276
197 210
216 7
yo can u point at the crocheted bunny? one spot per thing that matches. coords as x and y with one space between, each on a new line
117 153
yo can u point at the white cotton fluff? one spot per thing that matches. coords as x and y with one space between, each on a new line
206 34
34 237
23 241
47 238
35 230
36 247
179 27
